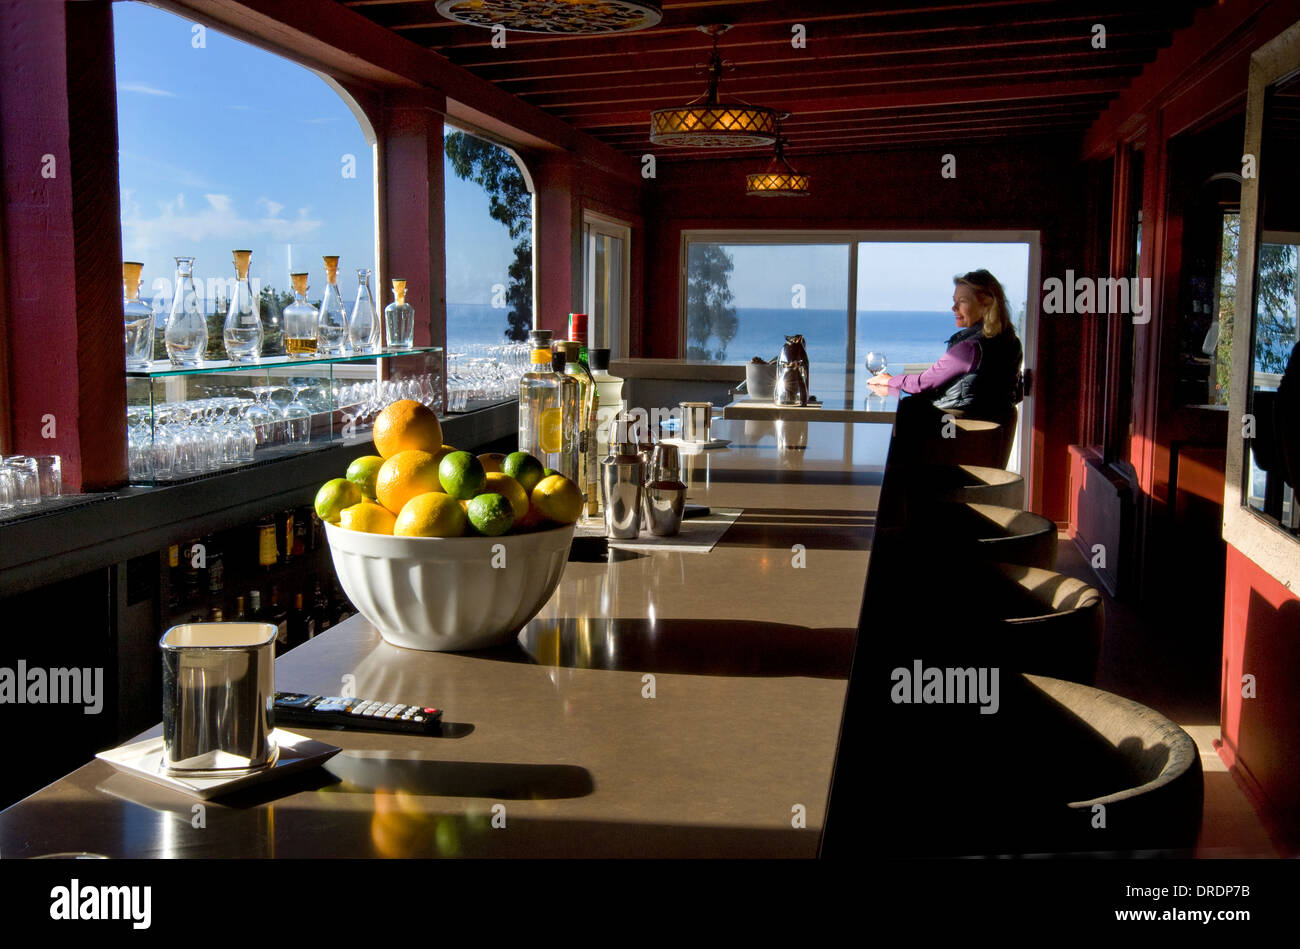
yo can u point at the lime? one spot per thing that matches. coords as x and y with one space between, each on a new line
558 499
334 495
491 514
363 472
432 514
461 475
551 473
367 517
524 468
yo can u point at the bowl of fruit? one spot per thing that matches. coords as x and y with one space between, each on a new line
440 549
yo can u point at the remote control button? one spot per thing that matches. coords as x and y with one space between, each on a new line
430 711
391 714
419 718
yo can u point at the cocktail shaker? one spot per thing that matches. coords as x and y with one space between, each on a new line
792 376
665 493
622 477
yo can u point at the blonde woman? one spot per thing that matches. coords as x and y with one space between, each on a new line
979 373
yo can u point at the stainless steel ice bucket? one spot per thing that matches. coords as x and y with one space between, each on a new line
218 684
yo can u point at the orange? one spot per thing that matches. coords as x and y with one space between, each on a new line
404 425
431 515
367 517
558 499
405 475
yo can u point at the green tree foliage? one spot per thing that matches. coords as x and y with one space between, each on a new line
709 315
492 168
1275 311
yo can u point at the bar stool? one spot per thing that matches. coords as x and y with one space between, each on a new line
990 532
968 483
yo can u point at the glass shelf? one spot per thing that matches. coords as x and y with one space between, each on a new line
162 368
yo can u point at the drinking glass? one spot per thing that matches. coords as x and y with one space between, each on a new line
49 475
8 489
876 362
26 480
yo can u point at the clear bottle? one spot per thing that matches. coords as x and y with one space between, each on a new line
363 325
399 318
609 392
568 461
541 404
332 328
243 332
588 462
138 317
186 334
300 321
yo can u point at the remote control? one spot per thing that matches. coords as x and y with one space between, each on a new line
329 711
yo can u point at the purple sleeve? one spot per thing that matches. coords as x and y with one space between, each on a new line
957 361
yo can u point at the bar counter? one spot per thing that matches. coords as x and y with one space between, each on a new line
661 704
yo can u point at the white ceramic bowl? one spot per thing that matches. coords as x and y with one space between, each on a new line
449 593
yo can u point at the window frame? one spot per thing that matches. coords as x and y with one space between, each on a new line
854 237
596 224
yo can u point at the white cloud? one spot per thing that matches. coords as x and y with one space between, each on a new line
174 226
320 121
144 89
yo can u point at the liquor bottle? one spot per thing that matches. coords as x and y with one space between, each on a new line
301 321
241 616
216 567
320 609
243 332
284 536
186 334
609 390
566 462
363 324
340 605
267 551
332 326
399 318
196 582
540 392
215 615
588 462
578 334
301 625
255 613
138 317
301 532
278 616
174 579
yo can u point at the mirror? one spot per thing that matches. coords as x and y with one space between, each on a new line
1270 482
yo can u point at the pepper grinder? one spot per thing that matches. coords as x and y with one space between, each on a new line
622 478
665 493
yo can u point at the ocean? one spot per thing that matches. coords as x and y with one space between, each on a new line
905 336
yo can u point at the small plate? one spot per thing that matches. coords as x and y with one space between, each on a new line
143 759
691 448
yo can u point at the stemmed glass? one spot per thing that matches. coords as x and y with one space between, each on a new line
262 415
876 362
298 416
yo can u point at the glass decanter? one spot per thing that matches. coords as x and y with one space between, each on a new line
332 328
363 325
300 321
399 318
243 331
138 317
186 334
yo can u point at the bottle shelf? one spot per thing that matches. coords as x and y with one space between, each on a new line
163 369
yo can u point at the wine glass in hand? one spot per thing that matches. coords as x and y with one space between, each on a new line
876 362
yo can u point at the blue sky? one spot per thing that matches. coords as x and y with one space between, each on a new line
227 146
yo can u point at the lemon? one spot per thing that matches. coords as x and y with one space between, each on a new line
367 517
491 514
558 499
335 495
461 475
524 468
491 461
549 431
407 424
432 514
511 489
405 475
363 471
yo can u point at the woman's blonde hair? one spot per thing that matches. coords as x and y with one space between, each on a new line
997 316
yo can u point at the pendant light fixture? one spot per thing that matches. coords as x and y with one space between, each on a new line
778 179
570 17
707 123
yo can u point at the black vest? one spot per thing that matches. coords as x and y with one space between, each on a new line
989 390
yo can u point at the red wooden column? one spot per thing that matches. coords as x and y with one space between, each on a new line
557 237
412 219
63 253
